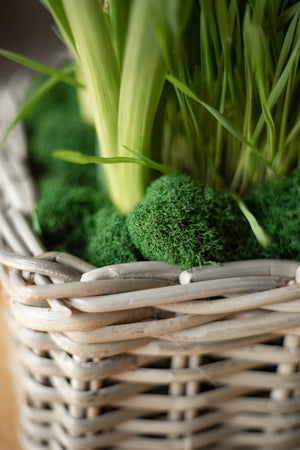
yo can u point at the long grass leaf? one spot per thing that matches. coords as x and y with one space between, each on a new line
76 157
286 46
119 16
257 229
150 163
39 67
219 117
288 13
207 66
29 104
57 10
283 159
294 132
267 116
277 90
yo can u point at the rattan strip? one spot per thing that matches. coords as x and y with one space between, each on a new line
215 333
242 421
65 440
113 368
62 365
201 440
270 354
242 268
284 440
157 427
81 425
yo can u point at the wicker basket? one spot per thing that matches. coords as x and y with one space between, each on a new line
143 355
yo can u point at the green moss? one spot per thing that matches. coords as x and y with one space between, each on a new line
60 132
62 213
276 205
62 96
182 222
109 241
55 123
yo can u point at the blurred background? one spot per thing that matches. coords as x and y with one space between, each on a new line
26 27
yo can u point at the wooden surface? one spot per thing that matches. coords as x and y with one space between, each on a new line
8 435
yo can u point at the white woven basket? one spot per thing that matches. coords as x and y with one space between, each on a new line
143 355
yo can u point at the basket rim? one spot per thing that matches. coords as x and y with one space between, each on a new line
62 281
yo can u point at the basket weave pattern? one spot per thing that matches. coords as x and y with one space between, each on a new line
143 355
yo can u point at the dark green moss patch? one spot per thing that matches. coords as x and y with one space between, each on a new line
109 239
276 205
62 213
182 222
55 123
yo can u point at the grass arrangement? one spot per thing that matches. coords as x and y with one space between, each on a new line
204 88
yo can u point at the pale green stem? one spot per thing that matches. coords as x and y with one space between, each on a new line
143 77
100 69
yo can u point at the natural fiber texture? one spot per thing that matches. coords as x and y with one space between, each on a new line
142 355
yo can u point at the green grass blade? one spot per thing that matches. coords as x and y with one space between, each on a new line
76 157
288 13
294 133
258 231
284 157
219 117
207 28
29 104
150 163
119 15
277 89
57 10
39 67
257 46
267 116
169 21
215 113
286 46
219 134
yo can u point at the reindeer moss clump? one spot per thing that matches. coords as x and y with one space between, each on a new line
180 221
276 205
62 213
109 239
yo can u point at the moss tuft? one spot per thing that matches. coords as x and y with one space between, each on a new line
276 205
180 221
54 123
62 213
109 241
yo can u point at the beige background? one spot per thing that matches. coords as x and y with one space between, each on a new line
8 434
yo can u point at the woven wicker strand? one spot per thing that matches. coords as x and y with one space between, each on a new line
144 355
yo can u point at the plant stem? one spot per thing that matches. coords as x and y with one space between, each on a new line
143 77
101 73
